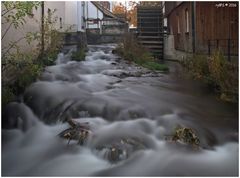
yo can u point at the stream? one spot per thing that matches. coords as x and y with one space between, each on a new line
123 104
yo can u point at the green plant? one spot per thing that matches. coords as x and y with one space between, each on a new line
220 74
78 55
225 75
26 66
156 66
131 50
14 15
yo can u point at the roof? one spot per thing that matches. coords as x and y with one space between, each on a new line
105 11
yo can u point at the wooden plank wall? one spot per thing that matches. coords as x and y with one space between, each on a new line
216 23
212 23
182 40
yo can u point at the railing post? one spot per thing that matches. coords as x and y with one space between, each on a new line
229 50
209 47
217 44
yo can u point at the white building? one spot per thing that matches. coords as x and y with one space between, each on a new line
92 15
69 16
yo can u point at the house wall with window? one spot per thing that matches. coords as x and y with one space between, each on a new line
179 24
68 16
212 22
74 16
59 13
33 24
216 23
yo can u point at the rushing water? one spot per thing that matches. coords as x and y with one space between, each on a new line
118 100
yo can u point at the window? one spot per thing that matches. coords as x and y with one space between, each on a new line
178 25
61 25
187 20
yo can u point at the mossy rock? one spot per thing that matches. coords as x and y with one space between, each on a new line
185 135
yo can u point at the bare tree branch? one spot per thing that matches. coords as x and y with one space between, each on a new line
7 10
4 34
11 46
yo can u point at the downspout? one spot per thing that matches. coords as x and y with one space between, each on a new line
42 28
193 26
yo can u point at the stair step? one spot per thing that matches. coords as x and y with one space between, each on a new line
152 17
148 22
149 32
151 42
153 47
151 37
152 14
149 27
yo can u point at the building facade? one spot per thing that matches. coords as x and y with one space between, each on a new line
68 16
202 27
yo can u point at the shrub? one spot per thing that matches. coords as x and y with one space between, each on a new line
131 50
156 66
48 58
220 74
78 55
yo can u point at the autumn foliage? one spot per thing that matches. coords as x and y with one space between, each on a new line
130 12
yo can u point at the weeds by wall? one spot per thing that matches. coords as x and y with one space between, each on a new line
132 51
220 74
20 69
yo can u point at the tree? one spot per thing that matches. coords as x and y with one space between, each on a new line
130 12
13 15
119 9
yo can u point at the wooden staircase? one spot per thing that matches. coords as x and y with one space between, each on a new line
150 28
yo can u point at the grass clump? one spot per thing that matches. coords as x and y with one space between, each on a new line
220 74
132 51
78 55
155 66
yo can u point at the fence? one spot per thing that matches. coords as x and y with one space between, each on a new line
229 47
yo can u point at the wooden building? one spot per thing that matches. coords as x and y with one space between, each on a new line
202 27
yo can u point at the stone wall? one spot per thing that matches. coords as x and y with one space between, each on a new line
170 53
113 29
75 38
108 34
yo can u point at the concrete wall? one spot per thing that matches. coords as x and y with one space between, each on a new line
170 53
100 39
71 12
33 24
76 38
74 14
113 29
13 34
59 13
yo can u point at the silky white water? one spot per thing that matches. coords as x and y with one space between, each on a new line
118 100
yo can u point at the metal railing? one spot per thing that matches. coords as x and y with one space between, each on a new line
229 47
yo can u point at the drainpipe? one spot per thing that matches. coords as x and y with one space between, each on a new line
193 26
42 28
